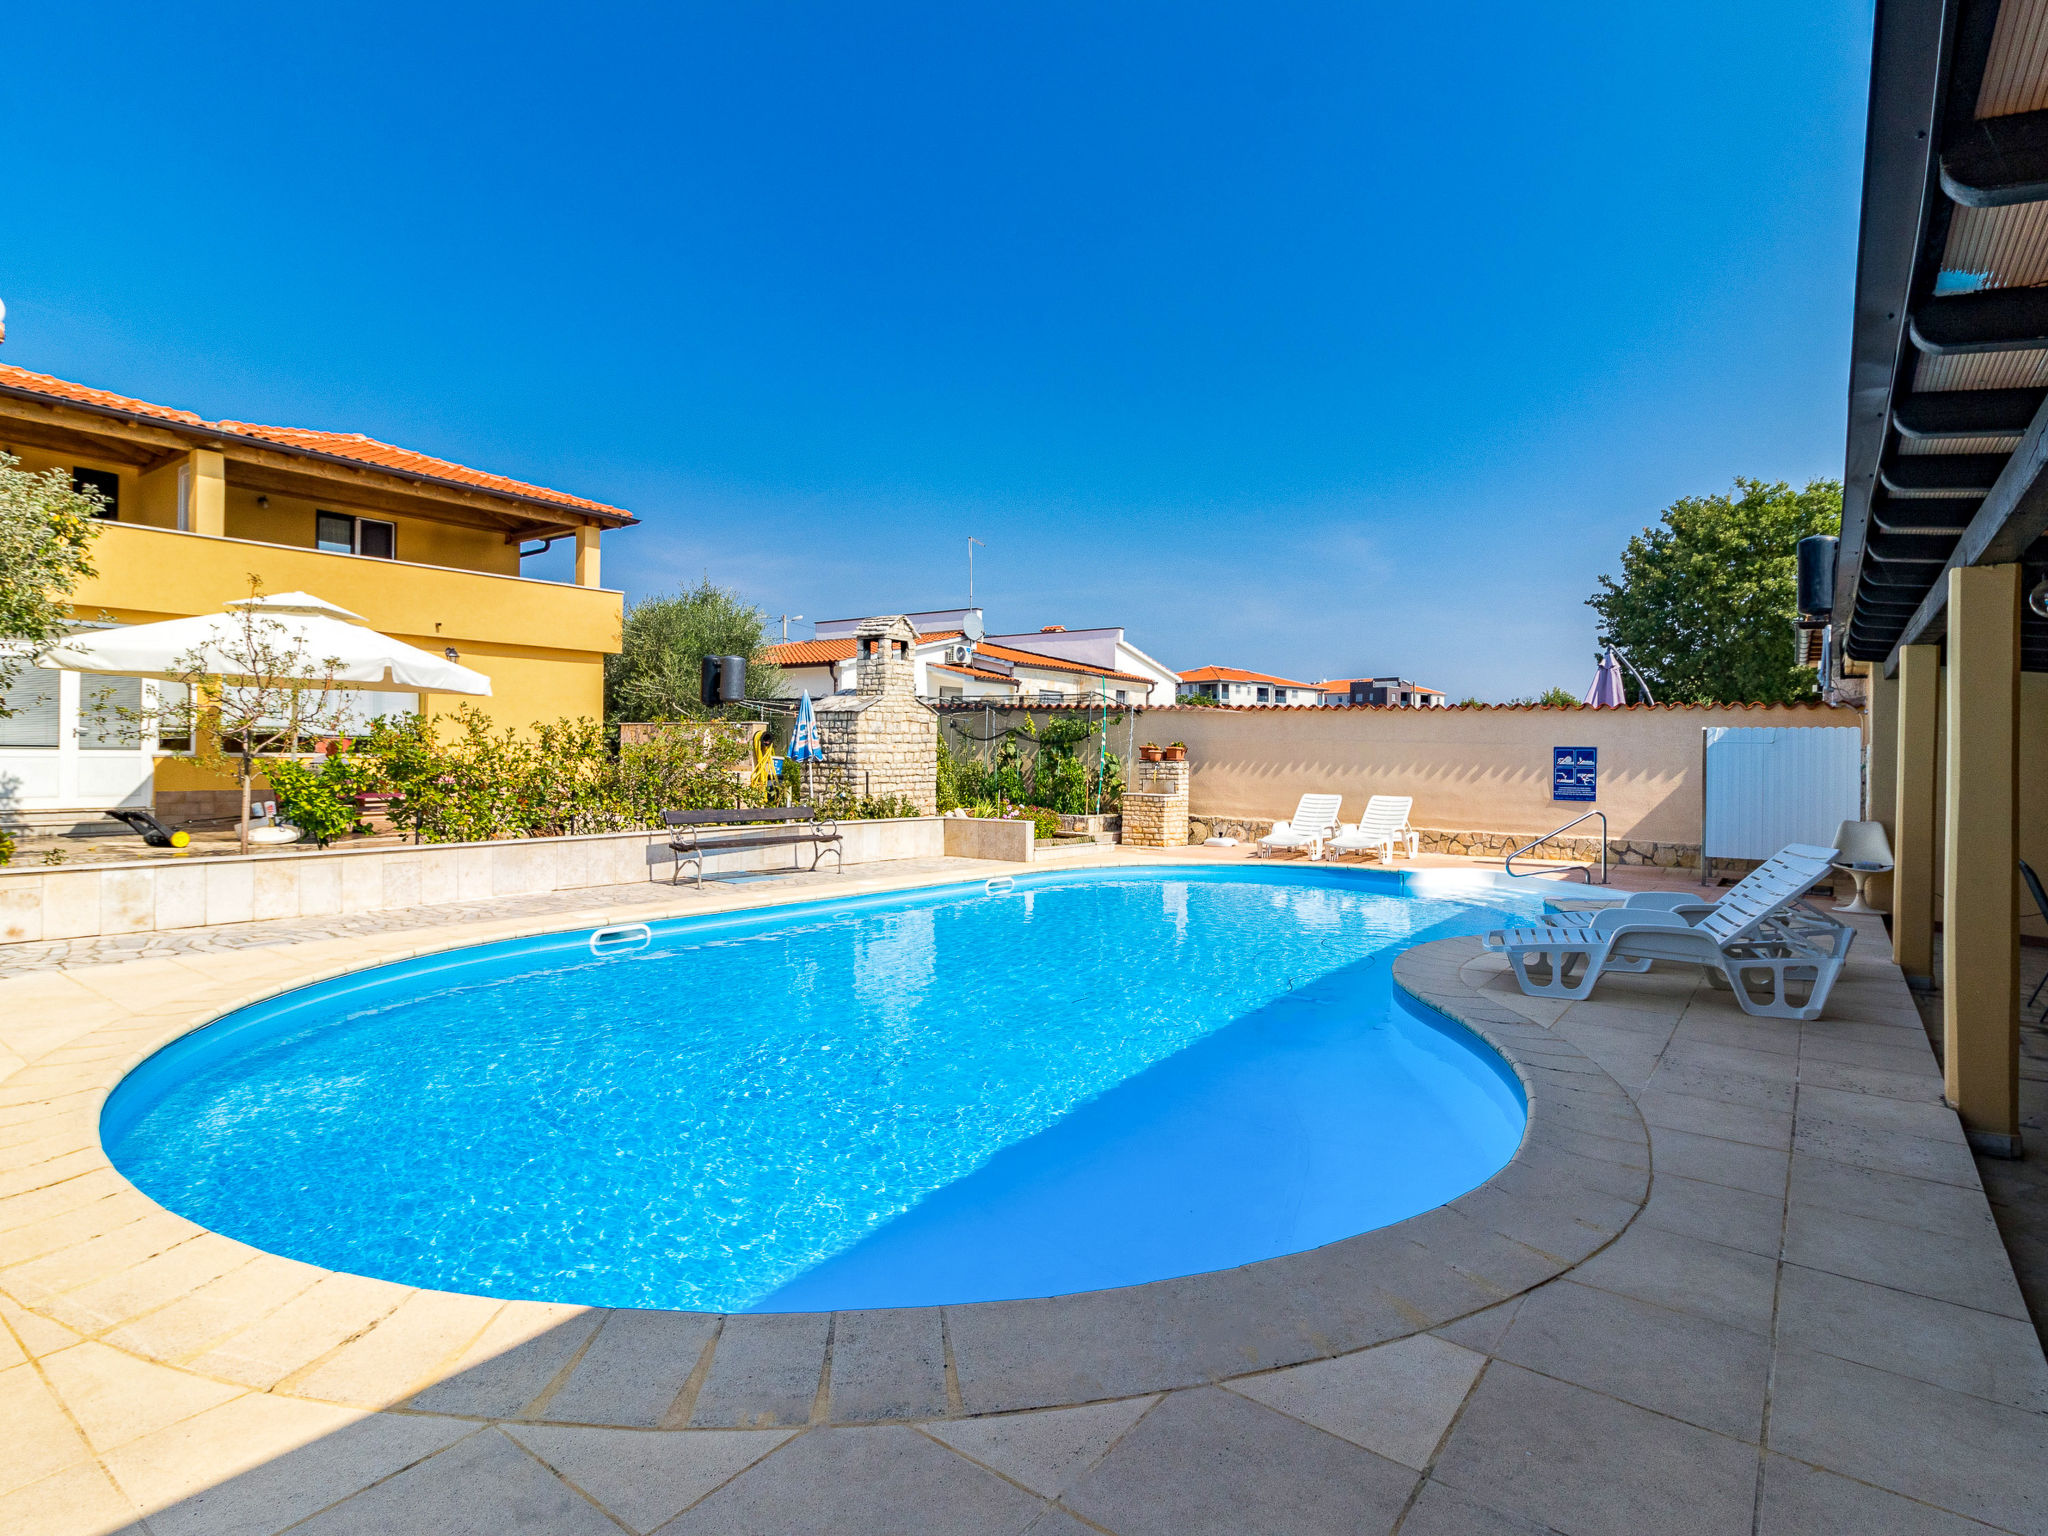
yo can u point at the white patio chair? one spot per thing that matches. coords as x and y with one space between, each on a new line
1313 821
1779 957
1384 827
1863 853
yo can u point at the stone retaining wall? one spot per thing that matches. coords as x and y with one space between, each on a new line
1498 845
158 894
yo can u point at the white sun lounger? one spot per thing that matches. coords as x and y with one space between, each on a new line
1313 821
1780 958
1791 868
1384 827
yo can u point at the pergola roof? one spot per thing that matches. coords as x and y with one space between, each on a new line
1948 436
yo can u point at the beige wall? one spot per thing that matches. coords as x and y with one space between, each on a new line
1473 769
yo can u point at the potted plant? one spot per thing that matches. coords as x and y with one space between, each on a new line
1176 753
1150 752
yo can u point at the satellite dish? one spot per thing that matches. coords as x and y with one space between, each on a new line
3 321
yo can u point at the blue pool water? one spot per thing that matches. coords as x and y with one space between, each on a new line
1101 1078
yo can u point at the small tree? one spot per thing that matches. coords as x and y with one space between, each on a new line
1706 599
46 534
254 691
658 674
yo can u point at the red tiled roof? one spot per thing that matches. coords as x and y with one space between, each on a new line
1238 675
986 676
353 446
1345 684
1053 663
809 653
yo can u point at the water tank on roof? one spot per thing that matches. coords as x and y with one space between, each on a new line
1817 580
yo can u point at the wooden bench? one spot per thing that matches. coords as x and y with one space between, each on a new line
757 827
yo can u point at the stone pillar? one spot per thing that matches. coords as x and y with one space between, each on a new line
1155 806
586 555
1913 817
1980 935
882 739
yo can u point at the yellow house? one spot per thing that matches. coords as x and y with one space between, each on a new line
422 549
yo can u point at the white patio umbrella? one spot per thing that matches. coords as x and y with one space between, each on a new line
318 631
312 634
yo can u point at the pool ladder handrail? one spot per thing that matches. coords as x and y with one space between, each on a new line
621 931
1584 869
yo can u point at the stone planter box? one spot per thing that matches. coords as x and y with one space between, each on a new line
970 837
157 895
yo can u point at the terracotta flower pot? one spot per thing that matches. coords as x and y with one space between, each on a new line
1149 754
1175 754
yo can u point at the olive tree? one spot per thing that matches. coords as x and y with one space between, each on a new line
657 673
1707 598
46 532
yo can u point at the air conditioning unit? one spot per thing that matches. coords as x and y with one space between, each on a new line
959 655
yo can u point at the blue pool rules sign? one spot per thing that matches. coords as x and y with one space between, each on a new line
1574 773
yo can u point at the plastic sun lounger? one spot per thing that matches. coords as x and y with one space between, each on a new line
1384 827
1766 883
1779 957
1313 821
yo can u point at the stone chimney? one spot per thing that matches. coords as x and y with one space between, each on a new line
883 664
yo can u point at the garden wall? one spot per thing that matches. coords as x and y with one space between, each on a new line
1480 776
43 904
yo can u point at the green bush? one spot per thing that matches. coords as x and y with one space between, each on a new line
6 848
1047 822
311 801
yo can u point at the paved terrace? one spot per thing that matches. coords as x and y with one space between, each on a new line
1741 1277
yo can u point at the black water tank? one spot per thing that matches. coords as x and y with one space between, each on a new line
732 678
1817 576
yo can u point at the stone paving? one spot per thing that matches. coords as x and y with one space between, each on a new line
2018 1187
1741 1278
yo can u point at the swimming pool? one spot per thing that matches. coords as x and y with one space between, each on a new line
1096 1078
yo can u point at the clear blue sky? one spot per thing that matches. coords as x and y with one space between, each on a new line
1319 339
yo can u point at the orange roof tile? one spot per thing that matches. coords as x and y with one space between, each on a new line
1052 663
353 446
986 676
809 653
1238 675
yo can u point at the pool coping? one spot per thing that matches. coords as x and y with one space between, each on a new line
1574 1184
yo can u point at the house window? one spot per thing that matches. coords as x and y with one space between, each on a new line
31 700
106 482
1123 696
1263 692
1048 696
337 533
107 714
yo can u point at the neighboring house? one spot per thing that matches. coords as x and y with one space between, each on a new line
1395 691
1234 686
420 548
956 661
1104 649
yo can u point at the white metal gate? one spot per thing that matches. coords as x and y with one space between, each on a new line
1767 786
